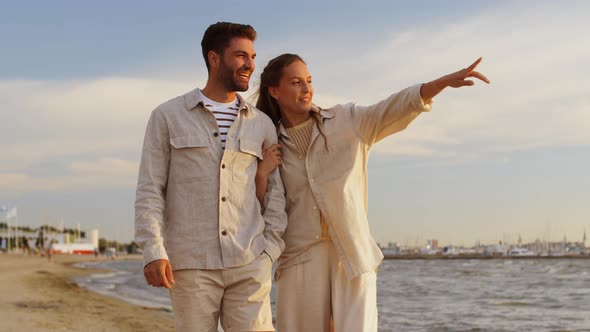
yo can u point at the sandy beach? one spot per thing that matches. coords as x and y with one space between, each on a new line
37 295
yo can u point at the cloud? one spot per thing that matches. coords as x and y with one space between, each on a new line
536 60
59 119
95 127
404 150
106 167
107 173
538 98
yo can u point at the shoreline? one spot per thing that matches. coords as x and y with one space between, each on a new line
38 295
481 257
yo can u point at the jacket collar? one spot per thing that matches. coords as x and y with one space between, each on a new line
193 99
324 114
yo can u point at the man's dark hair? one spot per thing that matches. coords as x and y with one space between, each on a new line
218 36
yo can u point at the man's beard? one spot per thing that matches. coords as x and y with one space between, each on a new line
229 81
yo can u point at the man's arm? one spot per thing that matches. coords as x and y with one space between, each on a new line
261 181
275 217
150 201
273 207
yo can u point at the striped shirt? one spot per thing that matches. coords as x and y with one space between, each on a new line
225 114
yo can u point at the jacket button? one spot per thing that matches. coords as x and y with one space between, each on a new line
223 233
223 199
215 134
222 165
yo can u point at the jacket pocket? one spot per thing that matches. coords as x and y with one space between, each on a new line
191 159
191 141
246 161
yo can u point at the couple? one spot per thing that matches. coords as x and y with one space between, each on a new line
212 206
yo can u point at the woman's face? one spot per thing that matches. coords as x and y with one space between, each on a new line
294 93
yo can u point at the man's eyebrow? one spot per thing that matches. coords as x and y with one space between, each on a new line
243 52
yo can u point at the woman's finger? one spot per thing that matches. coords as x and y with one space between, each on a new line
473 65
270 148
479 75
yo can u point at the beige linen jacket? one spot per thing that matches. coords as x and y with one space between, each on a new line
195 202
333 178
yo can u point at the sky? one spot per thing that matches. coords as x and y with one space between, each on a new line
78 81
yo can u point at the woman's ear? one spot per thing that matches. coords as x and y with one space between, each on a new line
273 91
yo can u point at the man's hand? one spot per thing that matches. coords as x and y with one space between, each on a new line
159 273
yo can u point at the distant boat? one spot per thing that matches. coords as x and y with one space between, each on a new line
520 252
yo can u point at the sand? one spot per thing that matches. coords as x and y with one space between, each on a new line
37 295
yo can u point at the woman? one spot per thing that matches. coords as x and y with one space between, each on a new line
327 270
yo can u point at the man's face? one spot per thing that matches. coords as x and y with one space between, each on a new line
236 64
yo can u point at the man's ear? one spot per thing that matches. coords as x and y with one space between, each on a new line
214 59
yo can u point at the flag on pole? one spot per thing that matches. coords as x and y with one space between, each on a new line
7 212
11 213
3 210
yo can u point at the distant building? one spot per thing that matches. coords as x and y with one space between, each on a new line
81 246
451 251
64 241
391 249
495 250
432 244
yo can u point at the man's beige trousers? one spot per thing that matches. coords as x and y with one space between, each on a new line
238 297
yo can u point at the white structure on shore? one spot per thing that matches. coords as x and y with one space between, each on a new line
8 214
94 238
64 241
81 245
73 248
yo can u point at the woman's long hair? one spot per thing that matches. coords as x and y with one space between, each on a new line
270 77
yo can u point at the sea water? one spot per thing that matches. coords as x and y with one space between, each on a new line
432 295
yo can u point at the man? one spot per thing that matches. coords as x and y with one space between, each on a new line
203 232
